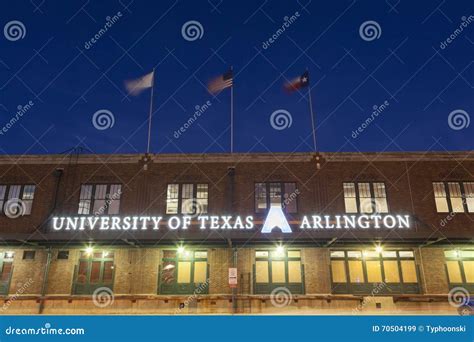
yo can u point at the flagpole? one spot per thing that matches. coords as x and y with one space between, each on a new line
312 115
232 114
151 111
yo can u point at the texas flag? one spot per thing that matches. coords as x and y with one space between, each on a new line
297 83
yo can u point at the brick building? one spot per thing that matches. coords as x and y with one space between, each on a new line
317 233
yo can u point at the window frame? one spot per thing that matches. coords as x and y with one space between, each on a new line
175 288
88 287
448 196
372 197
460 259
6 198
269 286
93 199
366 287
268 198
5 284
180 197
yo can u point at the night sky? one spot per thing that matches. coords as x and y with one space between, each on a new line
408 64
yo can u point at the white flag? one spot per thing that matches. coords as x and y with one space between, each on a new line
135 87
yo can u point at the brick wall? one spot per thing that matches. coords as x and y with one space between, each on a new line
433 268
219 261
316 267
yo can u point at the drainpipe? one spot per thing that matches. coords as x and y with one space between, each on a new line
44 286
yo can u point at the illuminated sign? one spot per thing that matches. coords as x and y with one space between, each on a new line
274 222
276 219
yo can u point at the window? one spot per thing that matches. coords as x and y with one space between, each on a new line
100 199
454 197
361 272
460 268
187 199
365 198
278 268
63 255
29 255
96 269
184 272
21 194
6 270
279 194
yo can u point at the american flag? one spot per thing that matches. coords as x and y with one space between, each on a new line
219 83
298 82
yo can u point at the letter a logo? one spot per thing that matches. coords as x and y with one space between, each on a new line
276 218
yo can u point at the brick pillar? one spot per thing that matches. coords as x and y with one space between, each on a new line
433 270
220 259
316 268
61 273
245 261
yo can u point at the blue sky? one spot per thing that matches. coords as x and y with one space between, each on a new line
403 65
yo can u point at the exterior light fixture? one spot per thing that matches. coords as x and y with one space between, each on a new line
280 250
105 254
9 254
89 250
378 249
180 249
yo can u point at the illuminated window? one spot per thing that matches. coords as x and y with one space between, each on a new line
460 268
277 268
355 271
187 199
454 197
183 272
279 194
19 199
95 269
99 199
365 197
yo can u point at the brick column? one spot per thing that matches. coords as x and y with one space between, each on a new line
316 267
433 270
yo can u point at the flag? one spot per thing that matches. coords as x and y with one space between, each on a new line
221 82
297 83
136 86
